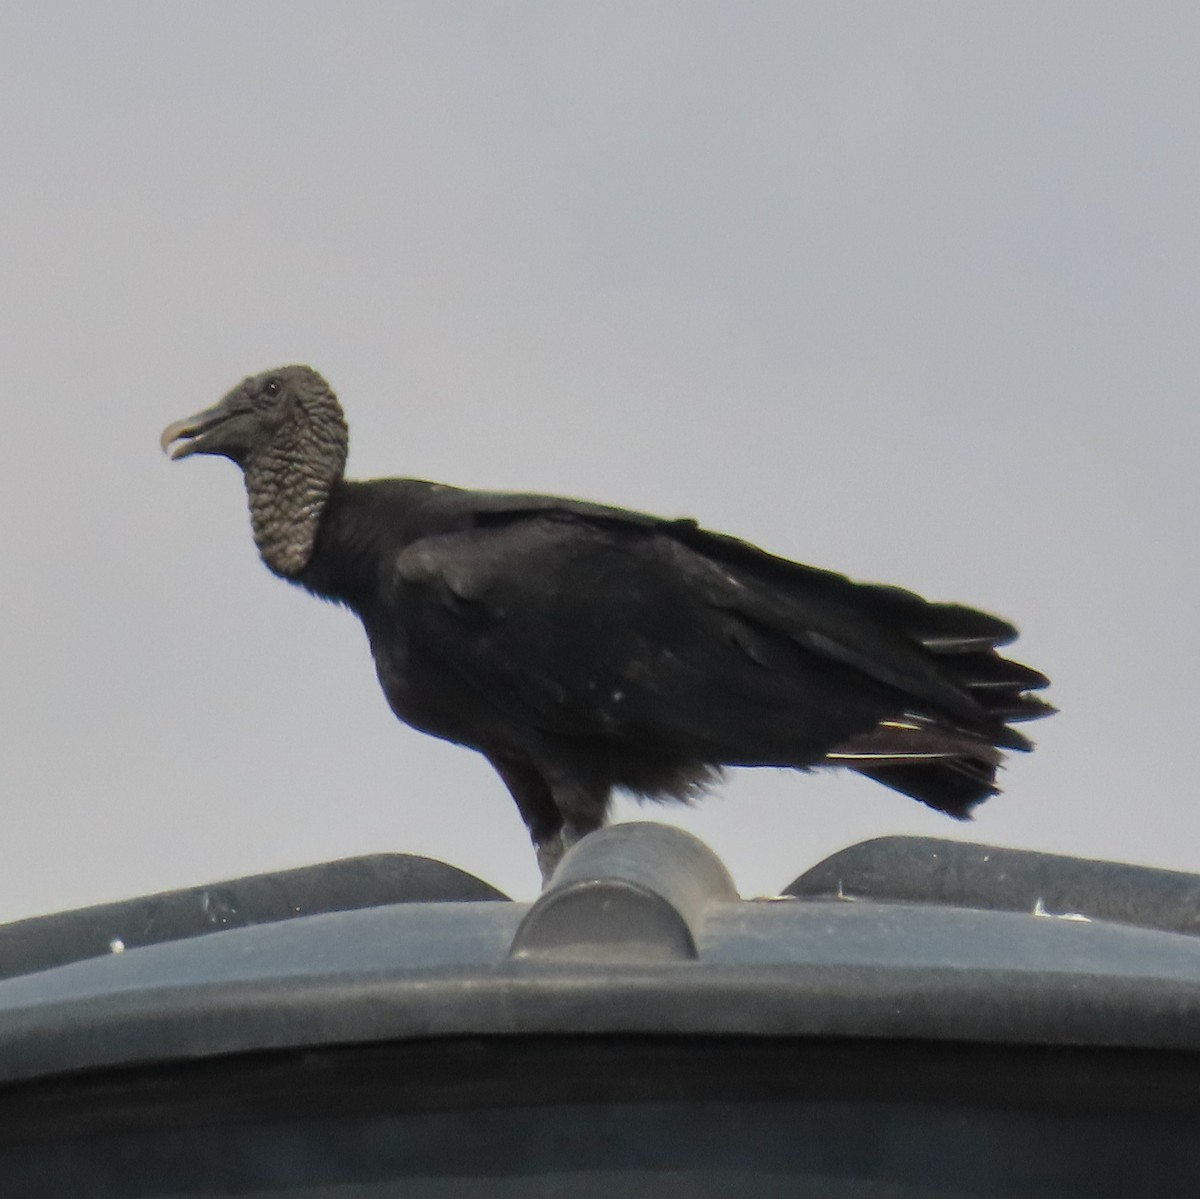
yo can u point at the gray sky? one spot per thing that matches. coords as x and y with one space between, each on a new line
908 290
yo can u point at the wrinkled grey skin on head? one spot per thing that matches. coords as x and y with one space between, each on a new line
285 429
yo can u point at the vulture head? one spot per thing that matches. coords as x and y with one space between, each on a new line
285 429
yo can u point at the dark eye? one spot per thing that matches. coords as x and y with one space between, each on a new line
272 388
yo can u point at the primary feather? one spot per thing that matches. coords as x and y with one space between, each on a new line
583 648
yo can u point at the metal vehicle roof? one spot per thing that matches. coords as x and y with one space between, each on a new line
640 932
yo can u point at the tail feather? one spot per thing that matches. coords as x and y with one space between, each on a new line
964 643
932 758
987 671
948 768
950 787
942 628
1004 689
944 745
913 739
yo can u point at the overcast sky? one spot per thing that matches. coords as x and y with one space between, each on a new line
909 290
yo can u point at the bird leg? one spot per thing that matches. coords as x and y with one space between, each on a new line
582 812
550 852
556 817
535 802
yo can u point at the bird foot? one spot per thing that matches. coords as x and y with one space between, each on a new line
551 850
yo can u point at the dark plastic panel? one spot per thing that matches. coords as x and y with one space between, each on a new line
966 875
42 942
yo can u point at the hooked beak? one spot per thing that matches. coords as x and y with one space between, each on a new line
187 436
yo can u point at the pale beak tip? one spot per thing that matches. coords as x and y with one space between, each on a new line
171 434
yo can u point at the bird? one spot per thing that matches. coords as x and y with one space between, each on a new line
585 649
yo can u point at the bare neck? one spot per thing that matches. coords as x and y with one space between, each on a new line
288 485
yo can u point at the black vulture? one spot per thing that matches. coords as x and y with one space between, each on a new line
582 648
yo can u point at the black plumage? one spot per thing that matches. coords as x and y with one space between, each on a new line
582 648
